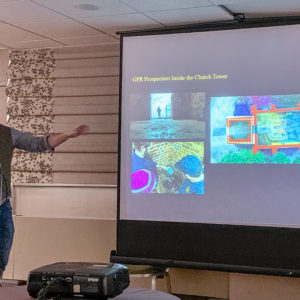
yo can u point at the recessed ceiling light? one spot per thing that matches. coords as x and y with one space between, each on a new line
86 6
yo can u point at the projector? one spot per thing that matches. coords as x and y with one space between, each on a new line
78 279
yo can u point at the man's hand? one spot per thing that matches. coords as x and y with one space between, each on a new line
55 139
82 129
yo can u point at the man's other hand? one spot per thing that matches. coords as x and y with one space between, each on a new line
82 129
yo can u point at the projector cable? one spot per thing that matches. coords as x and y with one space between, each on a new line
43 292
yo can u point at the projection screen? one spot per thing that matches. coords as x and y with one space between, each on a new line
209 172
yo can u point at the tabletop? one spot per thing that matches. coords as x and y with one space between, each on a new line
20 293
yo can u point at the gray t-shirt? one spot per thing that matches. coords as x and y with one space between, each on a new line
28 142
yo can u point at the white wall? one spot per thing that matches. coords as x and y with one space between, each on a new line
3 79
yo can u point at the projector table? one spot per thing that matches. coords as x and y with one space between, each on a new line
20 293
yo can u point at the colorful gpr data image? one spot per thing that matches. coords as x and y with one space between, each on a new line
255 129
167 167
167 116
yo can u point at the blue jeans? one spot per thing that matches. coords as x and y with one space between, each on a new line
6 233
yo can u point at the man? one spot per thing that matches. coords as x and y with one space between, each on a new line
141 158
10 139
191 166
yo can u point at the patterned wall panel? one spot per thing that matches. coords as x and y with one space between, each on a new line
20 106
30 87
32 54
31 69
32 162
37 125
31 177
30 108
55 91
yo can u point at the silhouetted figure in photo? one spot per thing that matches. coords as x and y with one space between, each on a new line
158 112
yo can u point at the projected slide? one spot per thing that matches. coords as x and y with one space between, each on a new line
167 116
167 167
255 129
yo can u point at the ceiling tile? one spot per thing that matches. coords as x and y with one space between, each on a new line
88 40
65 28
224 2
263 2
45 21
156 5
36 44
190 15
112 24
2 23
26 12
265 8
70 7
10 34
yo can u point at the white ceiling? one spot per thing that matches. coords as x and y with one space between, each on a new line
57 23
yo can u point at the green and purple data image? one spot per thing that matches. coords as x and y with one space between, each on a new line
255 129
167 167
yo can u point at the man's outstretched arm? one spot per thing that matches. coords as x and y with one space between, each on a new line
56 139
26 141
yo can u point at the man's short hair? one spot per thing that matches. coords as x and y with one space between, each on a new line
138 145
190 165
